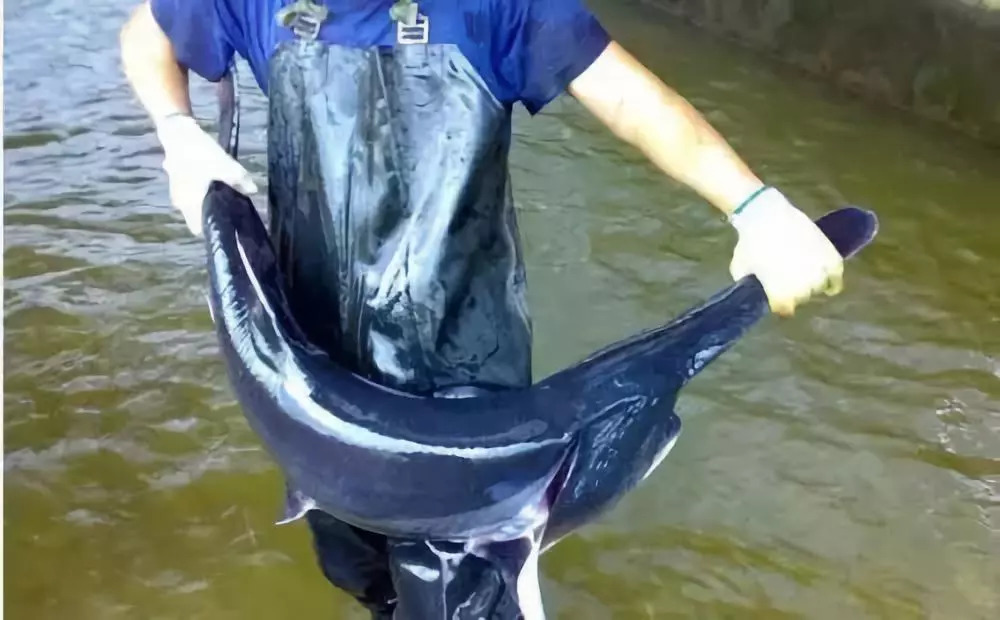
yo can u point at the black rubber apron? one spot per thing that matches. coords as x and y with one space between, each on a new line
391 212
392 215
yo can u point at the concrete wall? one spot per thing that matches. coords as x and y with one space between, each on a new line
938 58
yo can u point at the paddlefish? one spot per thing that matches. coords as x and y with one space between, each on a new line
487 466
508 473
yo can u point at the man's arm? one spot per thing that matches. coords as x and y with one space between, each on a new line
192 158
151 66
644 112
777 242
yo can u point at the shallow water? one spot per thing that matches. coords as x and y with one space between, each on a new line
845 463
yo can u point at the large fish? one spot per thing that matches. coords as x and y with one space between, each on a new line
454 468
507 472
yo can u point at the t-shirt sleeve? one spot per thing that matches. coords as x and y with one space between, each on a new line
543 45
195 31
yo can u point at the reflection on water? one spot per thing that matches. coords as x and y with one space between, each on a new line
842 464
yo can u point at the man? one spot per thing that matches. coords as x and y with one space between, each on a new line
390 202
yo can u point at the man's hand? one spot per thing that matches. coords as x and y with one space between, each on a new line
192 160
787 252
777 242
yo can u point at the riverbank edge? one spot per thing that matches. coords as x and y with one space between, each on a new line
936 59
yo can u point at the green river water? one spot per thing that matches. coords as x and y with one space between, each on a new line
841 464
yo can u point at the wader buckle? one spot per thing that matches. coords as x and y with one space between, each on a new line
304 18
411 26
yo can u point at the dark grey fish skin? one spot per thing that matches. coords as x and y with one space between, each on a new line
503 475
491 467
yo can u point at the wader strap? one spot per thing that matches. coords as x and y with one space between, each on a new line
227 93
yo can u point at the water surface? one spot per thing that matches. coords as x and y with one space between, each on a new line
843 464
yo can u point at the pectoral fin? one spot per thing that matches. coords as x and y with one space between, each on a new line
297 504
211 311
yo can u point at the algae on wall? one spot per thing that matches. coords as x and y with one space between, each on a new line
939 58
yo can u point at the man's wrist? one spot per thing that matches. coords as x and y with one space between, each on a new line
175 128
169 118
762 204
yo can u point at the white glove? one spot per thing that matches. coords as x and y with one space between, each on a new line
192 160
787 252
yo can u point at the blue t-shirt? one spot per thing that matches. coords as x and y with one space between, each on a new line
524 50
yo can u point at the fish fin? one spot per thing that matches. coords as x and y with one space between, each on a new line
706 332
297 504
661 455
211 311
